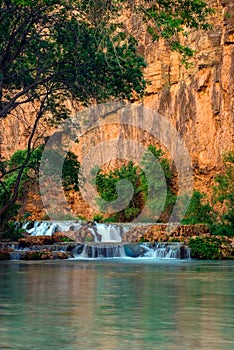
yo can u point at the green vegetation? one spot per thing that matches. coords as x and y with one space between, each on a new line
30 175
148 185
224 195
156 184
55 51
221 222
98 218
220 215
4 255
199 212
169 18
106 186
12 232
209 248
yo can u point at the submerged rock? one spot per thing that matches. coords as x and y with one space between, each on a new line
135 250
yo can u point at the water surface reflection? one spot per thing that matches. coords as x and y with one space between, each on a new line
114 305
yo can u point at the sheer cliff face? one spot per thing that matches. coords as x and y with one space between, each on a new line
198 101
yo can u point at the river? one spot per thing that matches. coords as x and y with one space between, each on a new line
115 304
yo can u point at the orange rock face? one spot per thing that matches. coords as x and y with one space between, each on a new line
198 101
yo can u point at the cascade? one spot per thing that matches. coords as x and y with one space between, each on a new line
100 232
169 251
48 228
102 250
107 242
111 232
123 250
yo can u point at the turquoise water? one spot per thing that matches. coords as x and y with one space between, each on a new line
117 304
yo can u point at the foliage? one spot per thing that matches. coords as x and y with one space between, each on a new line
12 232
224 195
111 219
81 217
64 239
98 218
145 180
4 255
210 248
172 20
69 175
221 218
198 211
155 183
65 48
106 185
70 172
52 51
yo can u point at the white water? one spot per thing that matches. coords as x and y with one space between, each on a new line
107 241
166 251
108 233
48 228
103 250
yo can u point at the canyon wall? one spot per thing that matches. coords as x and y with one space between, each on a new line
198 101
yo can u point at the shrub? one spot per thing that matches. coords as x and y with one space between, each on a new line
98 218
149 179
224 195
209 248
11 168
199 212
12 232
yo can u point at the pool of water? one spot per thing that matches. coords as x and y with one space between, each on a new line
117 304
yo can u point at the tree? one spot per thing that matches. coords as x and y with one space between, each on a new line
30 173
151 186
52 51
173 20
55 50
224 195
111 185
219 216
199 211
156 186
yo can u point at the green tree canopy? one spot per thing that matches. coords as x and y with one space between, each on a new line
55 50
52 51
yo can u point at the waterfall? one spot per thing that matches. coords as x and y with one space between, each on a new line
48 228
107 241
169 251
132 250
102 250
100 232
108 233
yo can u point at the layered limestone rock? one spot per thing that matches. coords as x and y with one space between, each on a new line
198 101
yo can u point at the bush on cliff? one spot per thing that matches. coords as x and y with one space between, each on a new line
199 211
219 216
210 248
144 181
224 196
